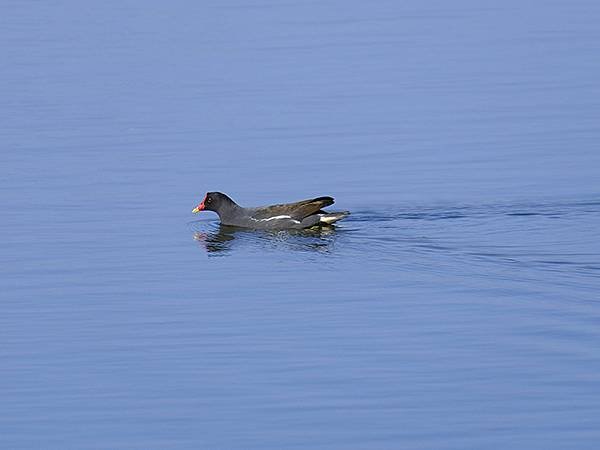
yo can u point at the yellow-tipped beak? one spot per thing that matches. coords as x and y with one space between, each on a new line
200 207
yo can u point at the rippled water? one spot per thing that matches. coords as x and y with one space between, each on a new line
456 307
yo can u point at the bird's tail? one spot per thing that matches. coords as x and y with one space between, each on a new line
331 217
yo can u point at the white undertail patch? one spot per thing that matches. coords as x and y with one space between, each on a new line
331 218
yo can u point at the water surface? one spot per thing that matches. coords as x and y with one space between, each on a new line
457 307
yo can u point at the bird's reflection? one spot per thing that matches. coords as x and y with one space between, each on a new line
221 240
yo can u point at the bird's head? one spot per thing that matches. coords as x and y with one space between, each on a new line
213 201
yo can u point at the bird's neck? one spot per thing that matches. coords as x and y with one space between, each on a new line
228 209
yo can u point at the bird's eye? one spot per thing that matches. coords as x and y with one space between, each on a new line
208 200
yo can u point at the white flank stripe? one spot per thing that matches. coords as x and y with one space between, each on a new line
276 217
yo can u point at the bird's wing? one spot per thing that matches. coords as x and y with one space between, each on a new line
297 211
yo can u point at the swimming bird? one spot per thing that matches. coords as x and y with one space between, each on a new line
294 216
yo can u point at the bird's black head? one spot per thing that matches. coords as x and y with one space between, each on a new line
214 201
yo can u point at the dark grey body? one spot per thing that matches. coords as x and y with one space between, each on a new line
294 216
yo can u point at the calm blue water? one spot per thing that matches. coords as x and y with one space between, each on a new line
458 307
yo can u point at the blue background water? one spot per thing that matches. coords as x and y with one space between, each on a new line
457 307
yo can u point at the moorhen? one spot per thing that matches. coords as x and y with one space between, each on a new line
298 215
